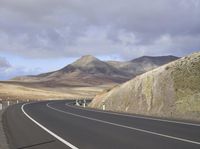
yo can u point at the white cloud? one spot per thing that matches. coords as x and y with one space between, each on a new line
7 71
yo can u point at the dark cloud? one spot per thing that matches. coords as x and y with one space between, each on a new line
4 63
126 28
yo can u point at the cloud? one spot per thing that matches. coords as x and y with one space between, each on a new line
125 28
4 63
11 72
7 71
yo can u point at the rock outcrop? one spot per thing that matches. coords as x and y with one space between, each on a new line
172 90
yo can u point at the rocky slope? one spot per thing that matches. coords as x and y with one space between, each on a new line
172 90
90 71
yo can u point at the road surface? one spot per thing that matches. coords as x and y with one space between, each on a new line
59 125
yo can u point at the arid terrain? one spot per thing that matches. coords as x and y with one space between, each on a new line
99 74
84 78
172 91
9 91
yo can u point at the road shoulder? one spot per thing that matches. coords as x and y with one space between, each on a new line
3 138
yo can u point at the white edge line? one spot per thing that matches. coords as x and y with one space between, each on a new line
47 130
140 117
123 126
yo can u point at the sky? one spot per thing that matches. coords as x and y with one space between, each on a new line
44 35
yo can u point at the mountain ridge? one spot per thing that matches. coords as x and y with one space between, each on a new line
91 70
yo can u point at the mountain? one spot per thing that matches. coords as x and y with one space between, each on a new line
159 60
88 70
172 90
142 64
91 65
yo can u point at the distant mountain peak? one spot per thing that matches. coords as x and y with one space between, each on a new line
145 56
159 60
84 60
154 57
88 57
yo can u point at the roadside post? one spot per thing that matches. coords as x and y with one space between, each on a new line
77 103
84 103
8 103
104 106
1 104
17 101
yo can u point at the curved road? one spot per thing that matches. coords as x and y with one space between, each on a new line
59 125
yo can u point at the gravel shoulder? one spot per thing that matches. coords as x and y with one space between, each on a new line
3 141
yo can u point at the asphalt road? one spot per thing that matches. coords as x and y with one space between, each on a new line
59 125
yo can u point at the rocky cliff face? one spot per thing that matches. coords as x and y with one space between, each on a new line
172 90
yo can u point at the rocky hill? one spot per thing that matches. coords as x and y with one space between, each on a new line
172 90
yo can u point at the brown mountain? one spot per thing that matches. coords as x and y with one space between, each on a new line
89 71
86 71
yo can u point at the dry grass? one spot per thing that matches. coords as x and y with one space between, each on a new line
19 92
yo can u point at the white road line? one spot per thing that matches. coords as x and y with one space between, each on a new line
123 126
47 130
139 117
